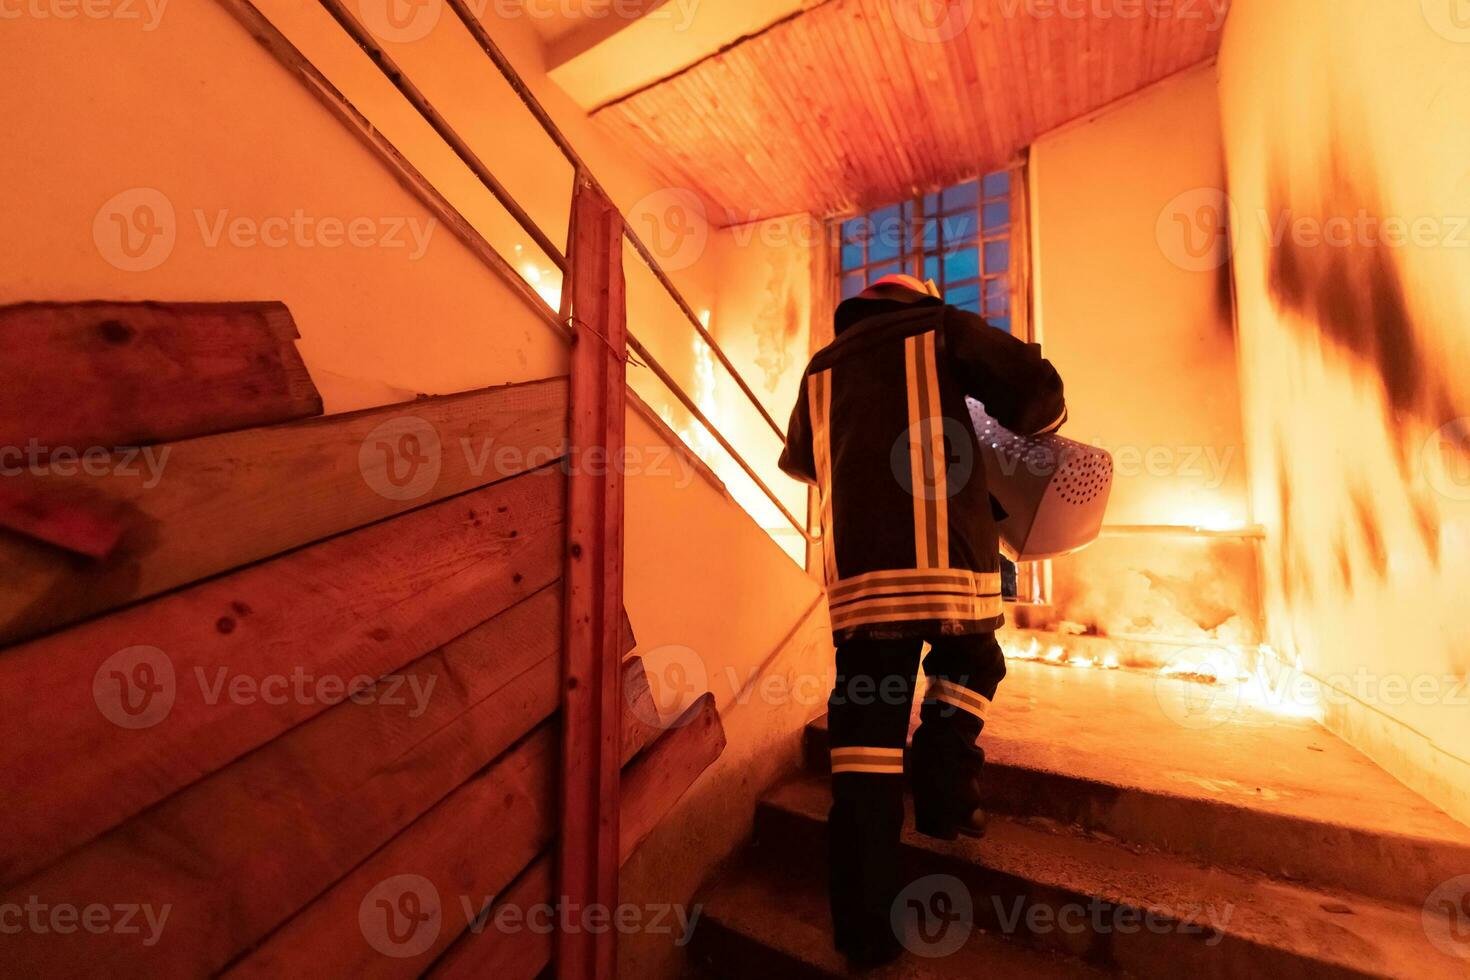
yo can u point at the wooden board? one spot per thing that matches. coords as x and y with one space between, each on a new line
465 850
587 873
652 785
237 853
188 510
74 762
84 375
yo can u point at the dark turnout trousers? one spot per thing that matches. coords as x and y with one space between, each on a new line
868 720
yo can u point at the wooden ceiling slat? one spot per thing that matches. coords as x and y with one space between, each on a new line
839 109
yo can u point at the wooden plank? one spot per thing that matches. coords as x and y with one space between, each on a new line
466 850
88 375
102 720
70 518
239 852
188 510
590 723
653 784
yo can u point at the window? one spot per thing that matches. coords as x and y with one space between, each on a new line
960 237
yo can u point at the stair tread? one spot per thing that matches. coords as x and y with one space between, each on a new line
1378 936
788 915
1116 733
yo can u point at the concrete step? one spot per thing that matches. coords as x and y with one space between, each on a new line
1249 791
760 922
1149 914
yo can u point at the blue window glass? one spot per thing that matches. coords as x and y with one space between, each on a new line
1000 322
961 227
930 238
997 257
887 236
962 196
962 265
996 216
965 297
958 236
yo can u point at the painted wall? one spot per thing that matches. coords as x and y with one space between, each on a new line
1136 315
1138 325
1346 140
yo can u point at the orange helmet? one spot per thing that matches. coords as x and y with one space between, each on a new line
927 287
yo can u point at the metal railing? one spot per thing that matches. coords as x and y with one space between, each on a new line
337 9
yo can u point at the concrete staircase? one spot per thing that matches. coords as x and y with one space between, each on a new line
1134 835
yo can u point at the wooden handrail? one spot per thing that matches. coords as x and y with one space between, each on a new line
528 98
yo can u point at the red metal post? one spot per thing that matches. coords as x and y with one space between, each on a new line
587 874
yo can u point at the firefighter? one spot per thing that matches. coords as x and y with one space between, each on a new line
912 557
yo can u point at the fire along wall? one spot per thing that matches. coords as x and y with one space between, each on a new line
1346 143
1137 318
240 167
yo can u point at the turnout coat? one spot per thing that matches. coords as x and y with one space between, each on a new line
881 429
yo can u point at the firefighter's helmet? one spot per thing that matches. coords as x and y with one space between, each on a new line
926 287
